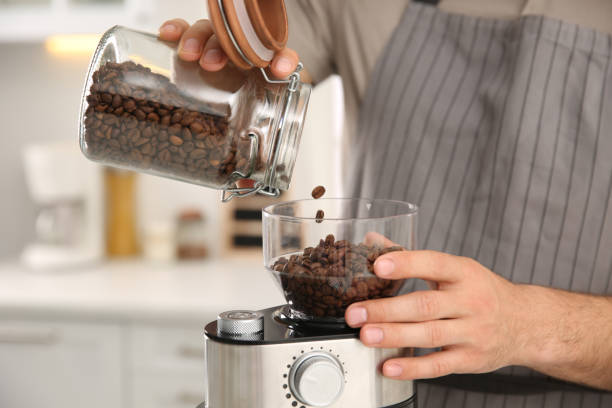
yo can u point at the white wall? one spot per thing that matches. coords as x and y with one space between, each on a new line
318 162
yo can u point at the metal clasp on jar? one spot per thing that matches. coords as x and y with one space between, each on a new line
263 187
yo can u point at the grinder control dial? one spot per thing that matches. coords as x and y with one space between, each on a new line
240 324
316 379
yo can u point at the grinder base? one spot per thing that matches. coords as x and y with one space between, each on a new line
290 365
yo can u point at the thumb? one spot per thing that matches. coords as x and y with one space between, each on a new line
284 63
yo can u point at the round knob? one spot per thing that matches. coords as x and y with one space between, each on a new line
240 323
317 379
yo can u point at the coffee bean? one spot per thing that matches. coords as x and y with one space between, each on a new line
129 105
160 129
175 129
319 216
140 115
175 140
197 154
196 127
116 102
165 156
141 141
322 281
147 149
188 147
147 132
318 192
177 117
108 98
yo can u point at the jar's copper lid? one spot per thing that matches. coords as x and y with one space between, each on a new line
250 31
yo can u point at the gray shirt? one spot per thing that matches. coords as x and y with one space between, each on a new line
499 130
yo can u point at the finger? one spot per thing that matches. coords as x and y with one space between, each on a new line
429 265
284 63
432 365
375 239
172 30
435 333
213 57
417 306
193 40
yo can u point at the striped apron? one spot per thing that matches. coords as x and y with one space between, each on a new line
501 132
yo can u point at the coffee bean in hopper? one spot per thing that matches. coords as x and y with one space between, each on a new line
323 281
319 216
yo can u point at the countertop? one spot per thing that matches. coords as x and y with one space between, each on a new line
136 290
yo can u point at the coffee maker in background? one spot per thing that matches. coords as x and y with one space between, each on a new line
67 190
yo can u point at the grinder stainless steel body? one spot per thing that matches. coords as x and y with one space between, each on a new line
285 366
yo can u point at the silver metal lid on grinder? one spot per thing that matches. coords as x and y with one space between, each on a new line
242 324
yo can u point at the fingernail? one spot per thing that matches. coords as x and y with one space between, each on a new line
371 335
384 267
392 370
283 64
168 28
213 56
192 46
356 315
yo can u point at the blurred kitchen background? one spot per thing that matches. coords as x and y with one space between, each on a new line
103 306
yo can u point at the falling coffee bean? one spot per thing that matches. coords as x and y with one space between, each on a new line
319 216
318 192
323 281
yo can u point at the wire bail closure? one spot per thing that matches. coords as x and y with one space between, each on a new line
292 82
259 187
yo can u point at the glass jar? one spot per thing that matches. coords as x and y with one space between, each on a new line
191 235
146 110
324 266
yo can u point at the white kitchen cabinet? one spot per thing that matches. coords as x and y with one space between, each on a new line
65 364
167 349
166 391
59 365
167 366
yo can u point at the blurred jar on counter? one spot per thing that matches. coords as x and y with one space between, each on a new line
191 235
158 241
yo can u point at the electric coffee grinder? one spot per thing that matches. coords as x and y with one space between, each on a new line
302 354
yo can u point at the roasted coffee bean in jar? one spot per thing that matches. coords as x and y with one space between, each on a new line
144 109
